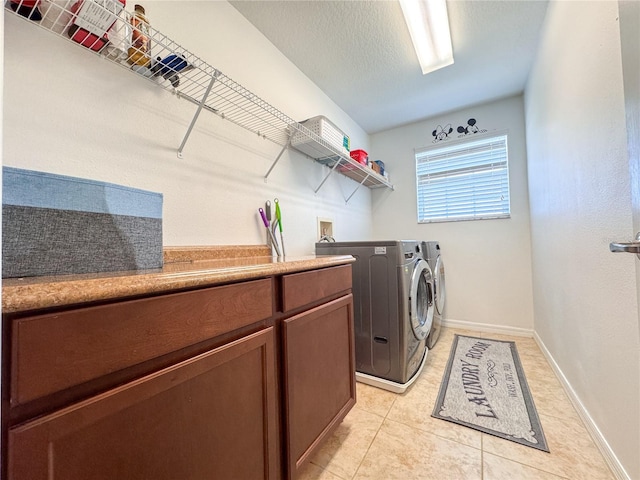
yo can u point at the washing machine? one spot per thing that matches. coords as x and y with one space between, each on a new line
431 253
393 309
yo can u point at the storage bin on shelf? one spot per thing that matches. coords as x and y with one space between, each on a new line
360 156
326 131
92 22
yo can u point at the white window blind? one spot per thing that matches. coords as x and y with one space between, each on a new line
464 181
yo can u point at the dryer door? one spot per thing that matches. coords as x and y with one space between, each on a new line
421 299
439 290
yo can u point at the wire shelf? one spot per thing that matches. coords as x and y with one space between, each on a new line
104 28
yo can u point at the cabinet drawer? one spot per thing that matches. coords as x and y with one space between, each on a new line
52 352
306 287
212 416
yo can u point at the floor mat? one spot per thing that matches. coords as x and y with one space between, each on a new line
484 387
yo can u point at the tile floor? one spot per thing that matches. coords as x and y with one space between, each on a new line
389 436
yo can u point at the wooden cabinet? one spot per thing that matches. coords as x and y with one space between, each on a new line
319 376
213 416
242 381
318 359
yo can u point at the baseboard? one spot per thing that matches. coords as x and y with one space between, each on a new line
601 443
487 327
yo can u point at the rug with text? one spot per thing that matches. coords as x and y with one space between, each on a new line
484 387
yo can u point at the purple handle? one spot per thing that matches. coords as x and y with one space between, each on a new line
264 217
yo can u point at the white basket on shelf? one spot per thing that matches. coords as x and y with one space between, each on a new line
326 131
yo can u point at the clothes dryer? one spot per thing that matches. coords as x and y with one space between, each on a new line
393 309
431 253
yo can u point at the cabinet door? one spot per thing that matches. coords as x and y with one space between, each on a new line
319 376
212 416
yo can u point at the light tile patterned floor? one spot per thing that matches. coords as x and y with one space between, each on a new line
388 436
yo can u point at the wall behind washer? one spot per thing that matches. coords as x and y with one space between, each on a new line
488 262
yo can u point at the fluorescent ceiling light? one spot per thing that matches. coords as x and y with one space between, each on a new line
428 24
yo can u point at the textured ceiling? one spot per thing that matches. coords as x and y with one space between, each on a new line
360 54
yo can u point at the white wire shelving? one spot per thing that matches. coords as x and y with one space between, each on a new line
104 28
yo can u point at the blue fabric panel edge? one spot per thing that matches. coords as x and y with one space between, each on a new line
30 188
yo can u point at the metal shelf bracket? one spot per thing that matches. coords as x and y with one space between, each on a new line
197 114
326 177
266 176
357 188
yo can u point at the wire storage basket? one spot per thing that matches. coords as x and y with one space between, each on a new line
106 28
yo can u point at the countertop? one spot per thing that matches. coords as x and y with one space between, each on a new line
184 268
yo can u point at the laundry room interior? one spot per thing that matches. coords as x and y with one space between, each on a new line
559 79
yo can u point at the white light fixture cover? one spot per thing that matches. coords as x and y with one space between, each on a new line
428 24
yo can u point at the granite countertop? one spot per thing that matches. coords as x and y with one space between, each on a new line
184 267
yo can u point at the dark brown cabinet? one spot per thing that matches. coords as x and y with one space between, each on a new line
213 416
241 381
319 376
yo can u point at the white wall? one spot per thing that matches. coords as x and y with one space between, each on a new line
585 298
70 112
488 262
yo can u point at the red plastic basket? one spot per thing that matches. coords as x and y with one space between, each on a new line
359 156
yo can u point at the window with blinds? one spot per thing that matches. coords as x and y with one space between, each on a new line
464 181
